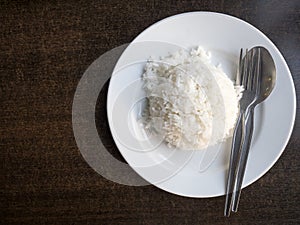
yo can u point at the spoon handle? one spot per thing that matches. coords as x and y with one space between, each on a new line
242 162
238 137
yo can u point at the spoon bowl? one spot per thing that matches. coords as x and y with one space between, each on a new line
267 74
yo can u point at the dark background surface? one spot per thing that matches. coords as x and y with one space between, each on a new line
44 50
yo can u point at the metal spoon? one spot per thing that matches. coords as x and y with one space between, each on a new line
267 78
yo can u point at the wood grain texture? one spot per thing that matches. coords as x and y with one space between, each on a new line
45 47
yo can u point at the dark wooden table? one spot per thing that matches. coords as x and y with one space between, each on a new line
45 47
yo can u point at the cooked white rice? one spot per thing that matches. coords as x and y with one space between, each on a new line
192 103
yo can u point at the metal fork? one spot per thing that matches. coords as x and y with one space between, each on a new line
248 134
249 81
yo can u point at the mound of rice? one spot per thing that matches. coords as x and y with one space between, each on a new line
192 103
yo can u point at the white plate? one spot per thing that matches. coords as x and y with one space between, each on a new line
197 173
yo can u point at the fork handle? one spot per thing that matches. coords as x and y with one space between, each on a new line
243 159
237 141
